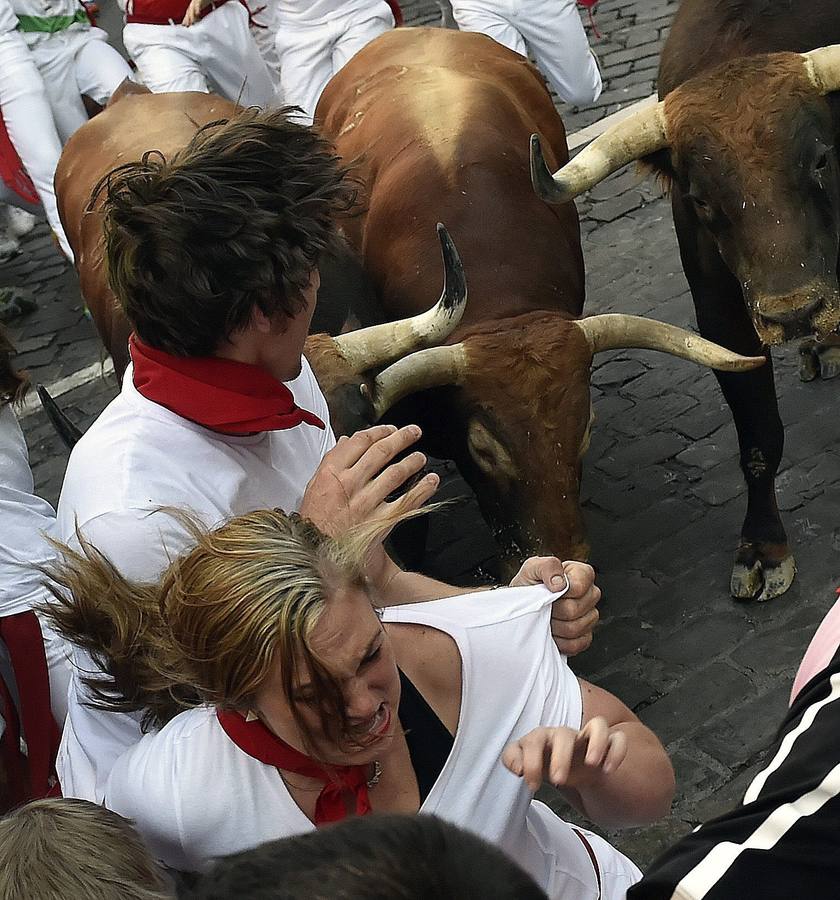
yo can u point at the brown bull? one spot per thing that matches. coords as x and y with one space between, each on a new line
438 122
137 122
746 136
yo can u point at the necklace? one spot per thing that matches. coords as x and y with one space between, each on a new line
377 774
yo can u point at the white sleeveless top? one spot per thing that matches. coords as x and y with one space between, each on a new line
196 796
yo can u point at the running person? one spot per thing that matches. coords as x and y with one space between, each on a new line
316 39
197 45
73 57
550 30
28 117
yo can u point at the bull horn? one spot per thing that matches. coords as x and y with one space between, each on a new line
378 345
618 331
64 428
434 367
823 67
643 133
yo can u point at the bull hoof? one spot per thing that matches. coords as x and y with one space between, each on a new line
819 359
761 579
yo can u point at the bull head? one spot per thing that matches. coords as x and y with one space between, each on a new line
749 147
521 418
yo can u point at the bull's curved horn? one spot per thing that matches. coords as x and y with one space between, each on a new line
434 367
823 67
617 331
368 348
642 133
64 428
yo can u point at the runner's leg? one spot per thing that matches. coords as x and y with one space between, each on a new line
359 34
29 121
557 39
100 69
305 64
472 17
231 58
164 57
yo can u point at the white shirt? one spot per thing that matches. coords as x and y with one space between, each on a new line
137 457
195 795
45 9
25 520
8 19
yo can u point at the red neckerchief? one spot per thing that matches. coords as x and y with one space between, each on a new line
340 782
221 394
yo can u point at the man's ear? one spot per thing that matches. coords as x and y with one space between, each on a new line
261 321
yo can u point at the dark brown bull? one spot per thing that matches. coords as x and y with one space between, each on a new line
137 121
746 137
438 121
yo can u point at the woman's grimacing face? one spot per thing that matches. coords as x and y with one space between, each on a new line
350 636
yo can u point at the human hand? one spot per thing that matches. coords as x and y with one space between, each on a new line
575 614
565 757
547 570
193 13
351 484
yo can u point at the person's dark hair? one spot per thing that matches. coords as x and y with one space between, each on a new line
385 857
237 219
13 384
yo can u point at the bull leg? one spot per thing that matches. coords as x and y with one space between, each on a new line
764 566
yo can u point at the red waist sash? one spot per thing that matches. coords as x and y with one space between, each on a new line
164 12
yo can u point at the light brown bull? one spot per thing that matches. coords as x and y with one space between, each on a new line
438 123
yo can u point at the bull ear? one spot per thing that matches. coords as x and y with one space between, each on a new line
488 453
661 167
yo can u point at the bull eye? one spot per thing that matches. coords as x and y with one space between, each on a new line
703 208
823 161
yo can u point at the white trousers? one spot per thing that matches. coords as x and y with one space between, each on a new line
76 62
29 120
550 29
217 52
311 54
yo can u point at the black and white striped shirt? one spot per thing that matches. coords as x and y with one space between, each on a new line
783 841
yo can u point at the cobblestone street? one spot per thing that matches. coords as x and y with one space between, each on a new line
664 497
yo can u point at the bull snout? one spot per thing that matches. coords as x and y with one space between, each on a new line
785 310
814 309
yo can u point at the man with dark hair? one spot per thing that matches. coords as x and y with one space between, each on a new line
371 858
214 255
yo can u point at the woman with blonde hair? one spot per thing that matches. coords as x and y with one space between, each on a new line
310 706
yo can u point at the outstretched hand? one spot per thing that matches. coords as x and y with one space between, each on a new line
354 480
565 757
